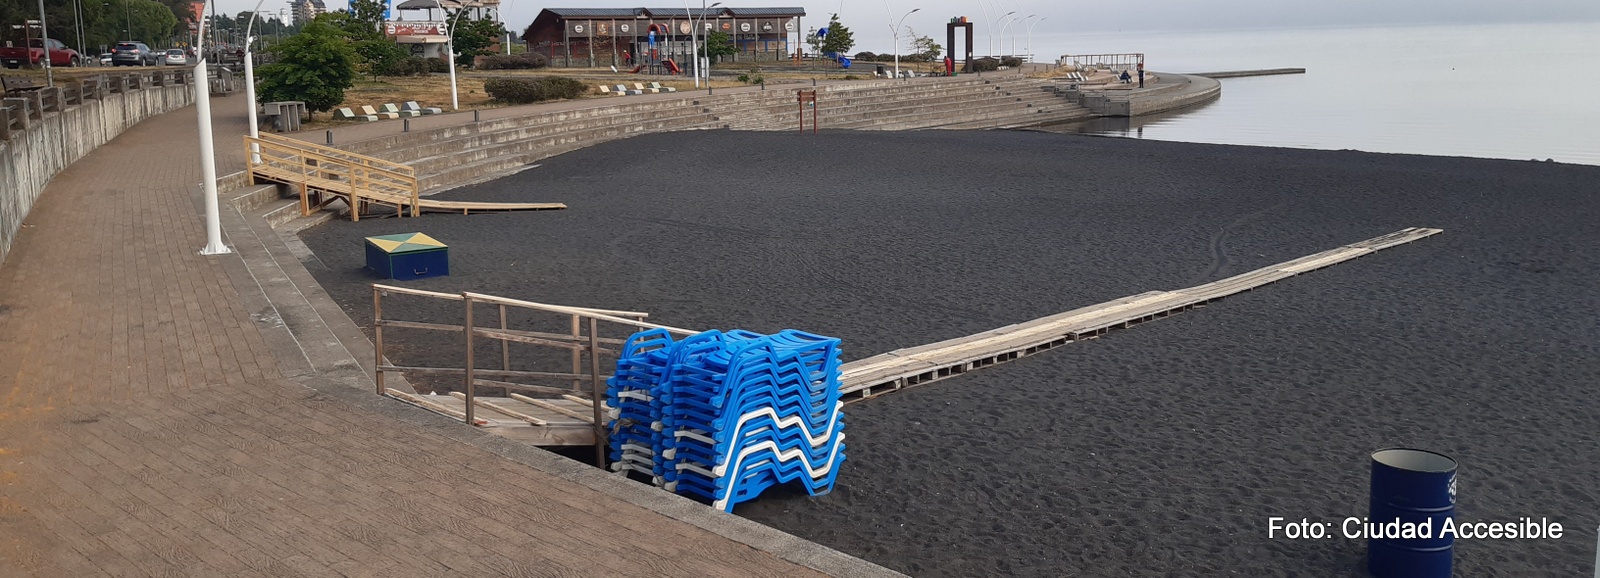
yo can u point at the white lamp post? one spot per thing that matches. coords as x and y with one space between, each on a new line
694 47
1019 28
250 82
895 29
450 47
987 24
706 61
1029 48
208 150
1008 20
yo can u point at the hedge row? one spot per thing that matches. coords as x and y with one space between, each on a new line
526 90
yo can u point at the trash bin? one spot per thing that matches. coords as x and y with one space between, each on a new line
1416 488
882 71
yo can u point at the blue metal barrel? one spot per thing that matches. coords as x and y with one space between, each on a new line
1415 487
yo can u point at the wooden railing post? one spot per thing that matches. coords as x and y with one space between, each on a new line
505 345
5 123
377 336
598 395
471 387
577 356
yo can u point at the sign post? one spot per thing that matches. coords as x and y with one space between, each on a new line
807 97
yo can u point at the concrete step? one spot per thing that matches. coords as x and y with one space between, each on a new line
847 114
443 155
483 165
400 141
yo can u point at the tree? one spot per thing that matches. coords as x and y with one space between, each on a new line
368 11
377 54
314 66
924 48
718 44
473 39
839 40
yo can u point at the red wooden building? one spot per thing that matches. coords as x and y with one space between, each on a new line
616 36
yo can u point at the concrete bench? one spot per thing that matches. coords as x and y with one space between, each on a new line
413 106
346 114
285 116
16 85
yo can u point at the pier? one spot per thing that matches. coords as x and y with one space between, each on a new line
1245 73
903 368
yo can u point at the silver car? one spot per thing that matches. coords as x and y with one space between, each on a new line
175 56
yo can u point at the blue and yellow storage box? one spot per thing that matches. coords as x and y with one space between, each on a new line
407 256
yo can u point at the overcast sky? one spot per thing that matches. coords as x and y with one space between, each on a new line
869 19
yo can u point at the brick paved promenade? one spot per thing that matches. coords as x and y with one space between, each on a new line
144 429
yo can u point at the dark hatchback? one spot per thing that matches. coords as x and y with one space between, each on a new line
133 54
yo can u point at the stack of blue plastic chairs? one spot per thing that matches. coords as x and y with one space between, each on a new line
725 416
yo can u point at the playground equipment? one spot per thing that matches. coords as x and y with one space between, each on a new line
725 416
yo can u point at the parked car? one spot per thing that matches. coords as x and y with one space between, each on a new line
130 53
175 56
105 59
14 55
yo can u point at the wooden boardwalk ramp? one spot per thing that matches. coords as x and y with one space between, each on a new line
323 174
908 367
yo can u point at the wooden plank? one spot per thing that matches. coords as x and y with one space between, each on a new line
541 389
952 357
552 407
488 372
484 403
419 401
547 436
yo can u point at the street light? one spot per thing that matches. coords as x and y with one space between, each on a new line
1003 32
250 83
694 27
450 46
1005 21
895 29
1030 37
986 24
1014 33
208 149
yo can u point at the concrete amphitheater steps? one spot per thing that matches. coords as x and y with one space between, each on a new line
409 146
915 106
755 112
936 109
477 165
444 155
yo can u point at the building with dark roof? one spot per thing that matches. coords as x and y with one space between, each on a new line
621 36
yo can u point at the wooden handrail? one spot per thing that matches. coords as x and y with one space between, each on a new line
571 310
369 179
512 302
331 151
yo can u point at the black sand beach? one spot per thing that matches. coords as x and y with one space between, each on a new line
1157 451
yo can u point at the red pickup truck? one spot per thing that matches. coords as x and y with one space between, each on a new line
13 55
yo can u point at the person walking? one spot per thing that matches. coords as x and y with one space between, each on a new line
1141 74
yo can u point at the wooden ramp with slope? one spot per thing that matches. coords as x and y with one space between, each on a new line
899 369
323 174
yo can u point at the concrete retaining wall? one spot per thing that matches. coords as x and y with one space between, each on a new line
33 156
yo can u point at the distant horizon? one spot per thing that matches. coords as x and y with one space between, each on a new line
869 22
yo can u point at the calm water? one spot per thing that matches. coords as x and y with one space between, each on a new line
1497 91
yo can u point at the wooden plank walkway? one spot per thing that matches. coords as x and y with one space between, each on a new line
561 421
899 369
